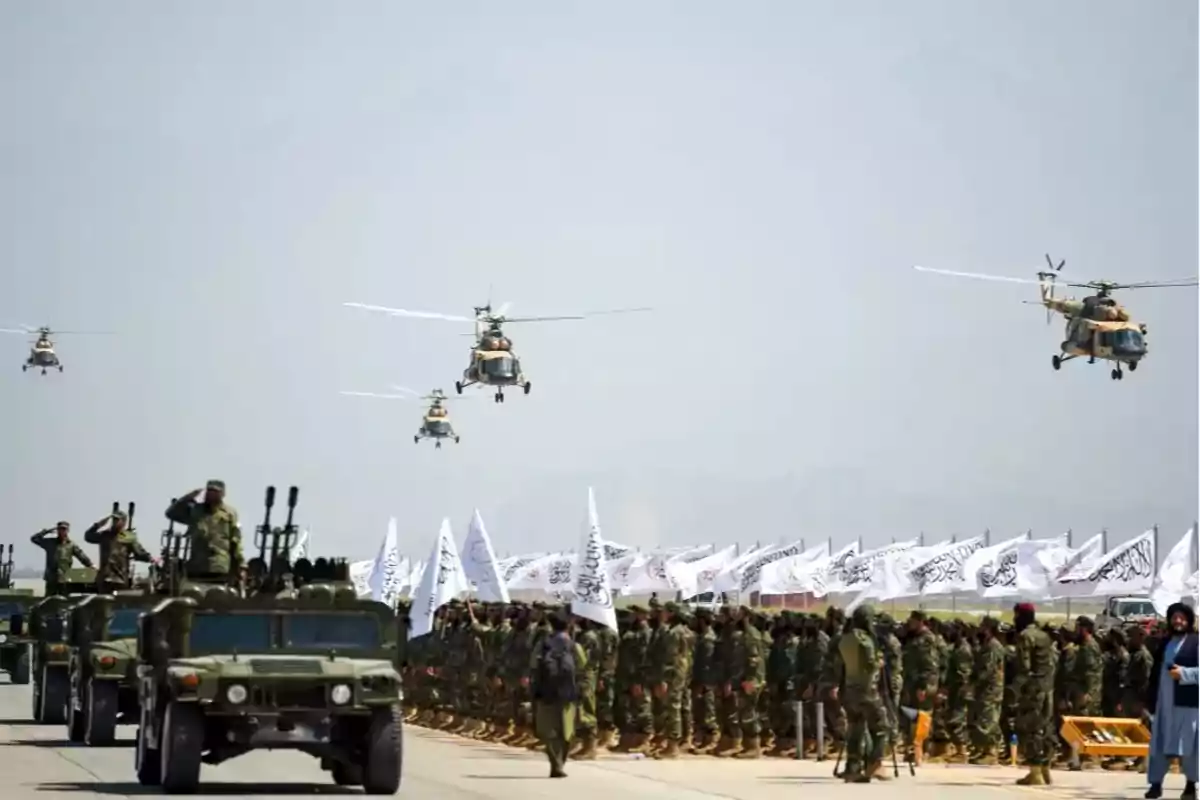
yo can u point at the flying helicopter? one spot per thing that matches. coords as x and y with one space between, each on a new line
1097 327
493 361
436 423
41 352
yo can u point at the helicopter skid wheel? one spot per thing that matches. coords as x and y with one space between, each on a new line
1132 366
499 397
528 386
1117 375
24 368
43 370
438 445
456 440
60 367
416 440
458 387
1056 362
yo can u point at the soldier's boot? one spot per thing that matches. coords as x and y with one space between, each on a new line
669 752
524 734
1139 765
810 747
784 748
485 730
449 721
1087 762
703 743
589 751
1046 776
622 744
958 755
852 775
767 741
468 727
1154 792
751 748
1033 778
503 732
984 758
937 752
576 747
877 772
642 743
1189 791
729 745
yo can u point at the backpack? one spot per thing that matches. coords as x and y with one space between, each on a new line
556 671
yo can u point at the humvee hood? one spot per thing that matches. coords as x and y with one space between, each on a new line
120 648
290 666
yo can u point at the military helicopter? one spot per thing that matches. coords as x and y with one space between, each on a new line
41 352
493 362
436 424
1097 327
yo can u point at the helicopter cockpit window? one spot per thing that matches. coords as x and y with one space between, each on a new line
1126 343
502 367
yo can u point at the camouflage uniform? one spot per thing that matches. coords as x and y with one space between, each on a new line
705 680
670 680
606 683
743 683
1034 685
920 664
214 537
860 665
1089 678
988 699
685 697
957 695
632 663
831 668
117 547
938 733
60 555
810 660
589 639
514 671
893 665
1064 691
781 683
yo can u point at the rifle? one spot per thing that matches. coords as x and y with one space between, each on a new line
885 689
130 510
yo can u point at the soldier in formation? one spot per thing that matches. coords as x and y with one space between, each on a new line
725 682
118 546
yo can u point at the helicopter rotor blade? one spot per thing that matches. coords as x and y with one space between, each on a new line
402 312
406 390
503 309
580 316
377 395
999 278
1176 283
16 330
81 333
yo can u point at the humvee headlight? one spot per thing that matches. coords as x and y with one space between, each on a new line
3 638
236 694
340 694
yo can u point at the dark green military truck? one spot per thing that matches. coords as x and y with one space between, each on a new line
102 635
14 602
223 675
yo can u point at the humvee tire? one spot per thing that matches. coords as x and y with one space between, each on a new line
100 703
384 751
180 748
56 690
149 771
20 673
76 722
346 775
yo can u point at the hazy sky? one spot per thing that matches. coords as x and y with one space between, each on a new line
211 180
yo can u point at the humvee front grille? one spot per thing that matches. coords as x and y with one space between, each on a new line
288 697
298 666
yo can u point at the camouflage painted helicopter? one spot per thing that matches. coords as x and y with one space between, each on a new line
41 352
493 361
436 424
1097 327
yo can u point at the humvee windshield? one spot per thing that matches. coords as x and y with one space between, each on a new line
226 633
341 631
1133 608
124 623
8 609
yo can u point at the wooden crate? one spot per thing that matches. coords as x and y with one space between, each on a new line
1106 736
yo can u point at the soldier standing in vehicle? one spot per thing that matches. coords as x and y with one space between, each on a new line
117 546
61 553
215 540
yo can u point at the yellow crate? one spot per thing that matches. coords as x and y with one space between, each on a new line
1106 736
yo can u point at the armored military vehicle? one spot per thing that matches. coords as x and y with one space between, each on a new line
45 626
102 635
14 650
298 664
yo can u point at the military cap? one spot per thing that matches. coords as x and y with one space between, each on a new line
884 618
215 483
671 607
62 523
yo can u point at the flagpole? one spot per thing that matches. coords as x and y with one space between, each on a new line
1070 545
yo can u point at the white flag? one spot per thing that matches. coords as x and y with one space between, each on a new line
479 563
443 581
1026 568
730 578
1172 580
299 549
592 596
549 573
385 580
360 576
696 577
799 576
1129 569
857 572
760 572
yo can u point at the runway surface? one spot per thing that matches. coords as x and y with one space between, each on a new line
36 763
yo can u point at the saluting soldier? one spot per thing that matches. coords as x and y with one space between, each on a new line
214 537
118 544
61 553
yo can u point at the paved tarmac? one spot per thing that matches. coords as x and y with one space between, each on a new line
37 764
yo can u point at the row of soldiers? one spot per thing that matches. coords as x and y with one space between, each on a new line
725 682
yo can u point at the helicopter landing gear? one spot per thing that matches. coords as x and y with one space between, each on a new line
458 387
1132 366
438 445
1056 362
24 368
499 397
1117 374
416 440
456 440
528 386
60 367
43 370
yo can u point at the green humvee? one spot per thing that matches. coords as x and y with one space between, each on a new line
46 626
14 650
227 675
102 636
